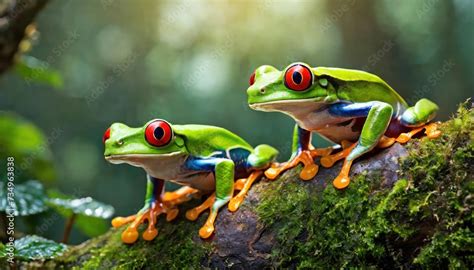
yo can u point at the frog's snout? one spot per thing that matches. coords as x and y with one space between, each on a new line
254 91
111 138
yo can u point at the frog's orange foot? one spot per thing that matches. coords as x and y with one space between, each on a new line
206 230
431 131
130 235
179 196
309 170
343 180
236 201
328 161
193 214
385 142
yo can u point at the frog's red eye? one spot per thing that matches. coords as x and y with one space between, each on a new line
158 133
252 78
298 77
106 135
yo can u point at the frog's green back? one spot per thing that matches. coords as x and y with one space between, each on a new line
202 140
361 86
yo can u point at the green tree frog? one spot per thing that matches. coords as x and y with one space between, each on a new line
203 159
354 109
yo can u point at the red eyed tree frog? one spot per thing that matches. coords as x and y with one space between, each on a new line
203 159
342 105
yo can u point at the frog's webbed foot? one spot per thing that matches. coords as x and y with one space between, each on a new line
342 180
150 214
243 185
208 228
193 214
431 131
179 196
329 160
309 170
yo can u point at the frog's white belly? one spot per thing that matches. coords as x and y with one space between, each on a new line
169 167
314 116
328 126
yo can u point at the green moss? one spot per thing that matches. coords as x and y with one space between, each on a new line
174 248
423 220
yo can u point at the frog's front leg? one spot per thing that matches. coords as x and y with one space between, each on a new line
302 151
223 169
378 115
154 206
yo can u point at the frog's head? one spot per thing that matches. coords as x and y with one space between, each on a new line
295 87
136 146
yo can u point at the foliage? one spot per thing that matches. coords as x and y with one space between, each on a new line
32 158
33 69
91 214
28 145
33 247
423 220
29 198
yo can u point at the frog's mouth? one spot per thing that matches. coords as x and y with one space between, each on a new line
139 160
292 106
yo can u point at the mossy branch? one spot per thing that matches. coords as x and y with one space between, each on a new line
407 206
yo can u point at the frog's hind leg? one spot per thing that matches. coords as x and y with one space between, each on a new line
378 115
303 152
417 117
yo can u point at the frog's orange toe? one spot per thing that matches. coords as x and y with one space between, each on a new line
172 214
341 181
192 214
309 172
327 161
272 173
434 134
120 221
431 130
206 231
403 138
150 234
130 236
235 203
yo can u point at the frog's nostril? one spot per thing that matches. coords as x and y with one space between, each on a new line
262 90
119 142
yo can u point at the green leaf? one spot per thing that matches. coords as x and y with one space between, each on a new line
3 251
84 206
33 247
28 198
29 147
33 69
92 215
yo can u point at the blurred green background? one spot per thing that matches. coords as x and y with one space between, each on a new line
190 61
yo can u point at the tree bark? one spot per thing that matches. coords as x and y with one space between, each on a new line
15 16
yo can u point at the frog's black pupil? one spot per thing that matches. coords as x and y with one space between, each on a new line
297 78
159 132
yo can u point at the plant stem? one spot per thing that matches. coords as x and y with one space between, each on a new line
68 228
